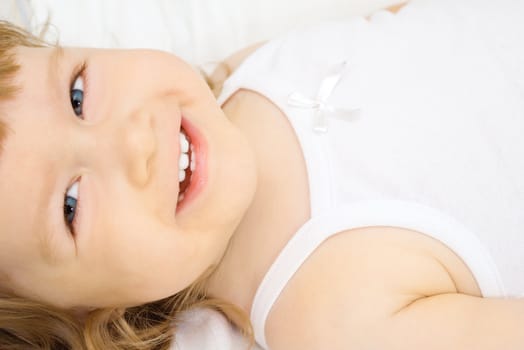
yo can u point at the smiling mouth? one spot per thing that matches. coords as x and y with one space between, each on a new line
186 163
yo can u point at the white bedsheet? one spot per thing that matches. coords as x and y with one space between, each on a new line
207 329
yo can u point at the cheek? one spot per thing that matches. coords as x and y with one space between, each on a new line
130 233
154 71
134 241
140 261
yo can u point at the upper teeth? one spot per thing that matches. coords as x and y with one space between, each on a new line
183 162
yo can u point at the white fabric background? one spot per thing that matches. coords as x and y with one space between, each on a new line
200 31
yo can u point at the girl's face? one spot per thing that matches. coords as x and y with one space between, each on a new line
90 178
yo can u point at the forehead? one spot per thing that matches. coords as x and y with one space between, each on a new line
38 66
33 82
23 208
24 161
37 91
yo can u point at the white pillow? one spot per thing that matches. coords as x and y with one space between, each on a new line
16 12
199 31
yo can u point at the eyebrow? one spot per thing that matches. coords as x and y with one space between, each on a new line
55 62
4 129
3 133
47 249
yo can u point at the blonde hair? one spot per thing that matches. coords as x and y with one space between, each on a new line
29 324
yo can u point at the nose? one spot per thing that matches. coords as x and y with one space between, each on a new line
139 145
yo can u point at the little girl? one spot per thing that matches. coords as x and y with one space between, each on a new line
357 186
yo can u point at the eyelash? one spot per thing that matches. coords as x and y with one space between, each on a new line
72 227
78 73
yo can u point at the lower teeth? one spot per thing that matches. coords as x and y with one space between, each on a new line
188 180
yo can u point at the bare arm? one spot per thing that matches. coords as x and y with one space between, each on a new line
456 321
376 288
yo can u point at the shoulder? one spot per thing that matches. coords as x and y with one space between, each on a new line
226 67
397 7
352 281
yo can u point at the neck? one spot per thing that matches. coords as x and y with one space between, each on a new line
279 207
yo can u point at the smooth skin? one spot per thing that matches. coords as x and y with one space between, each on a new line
368 288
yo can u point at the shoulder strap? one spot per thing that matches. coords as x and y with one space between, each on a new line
301 245
393 213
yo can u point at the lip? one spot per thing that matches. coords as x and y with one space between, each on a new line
199 175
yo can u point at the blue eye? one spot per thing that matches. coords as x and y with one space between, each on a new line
77 95
71 206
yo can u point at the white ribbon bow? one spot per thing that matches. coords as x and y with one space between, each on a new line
319 104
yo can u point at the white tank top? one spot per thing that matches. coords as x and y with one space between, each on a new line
413 120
